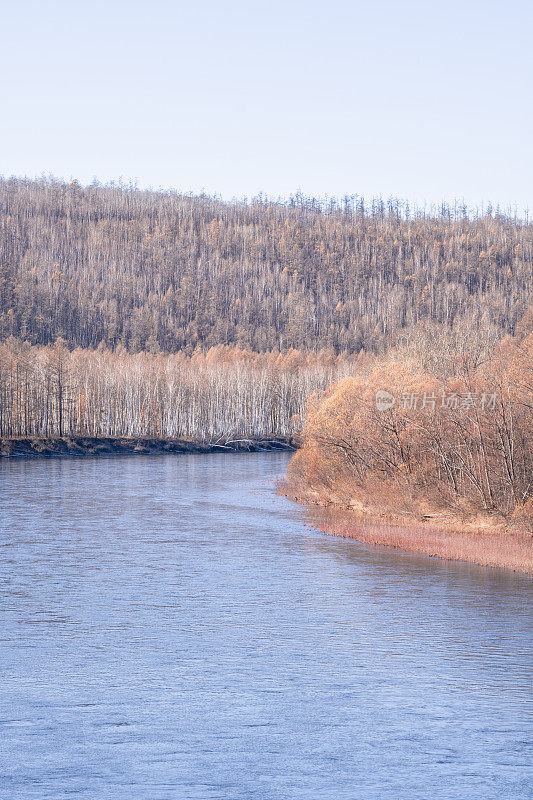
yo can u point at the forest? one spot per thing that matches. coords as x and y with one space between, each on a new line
164 272
128 313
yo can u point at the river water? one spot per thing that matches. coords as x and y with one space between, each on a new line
171 628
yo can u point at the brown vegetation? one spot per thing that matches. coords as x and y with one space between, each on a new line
454 452
165 272
495 546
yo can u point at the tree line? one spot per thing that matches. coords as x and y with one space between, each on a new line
50 391
164 272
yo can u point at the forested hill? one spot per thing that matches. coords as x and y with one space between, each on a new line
166 272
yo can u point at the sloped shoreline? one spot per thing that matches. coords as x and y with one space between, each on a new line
487 543
90 446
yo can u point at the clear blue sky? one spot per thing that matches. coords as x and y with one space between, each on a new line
421 100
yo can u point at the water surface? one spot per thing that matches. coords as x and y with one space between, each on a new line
170 628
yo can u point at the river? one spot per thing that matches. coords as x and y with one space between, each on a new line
173 629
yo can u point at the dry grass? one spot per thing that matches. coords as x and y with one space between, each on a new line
485 542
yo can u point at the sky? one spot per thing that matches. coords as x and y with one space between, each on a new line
426 101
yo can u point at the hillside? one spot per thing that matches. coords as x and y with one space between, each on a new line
165 272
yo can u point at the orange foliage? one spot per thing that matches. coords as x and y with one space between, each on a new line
461 443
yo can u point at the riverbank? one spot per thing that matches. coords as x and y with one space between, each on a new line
432 459
487 541
40 447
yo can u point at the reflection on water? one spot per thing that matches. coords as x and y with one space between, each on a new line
170 628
